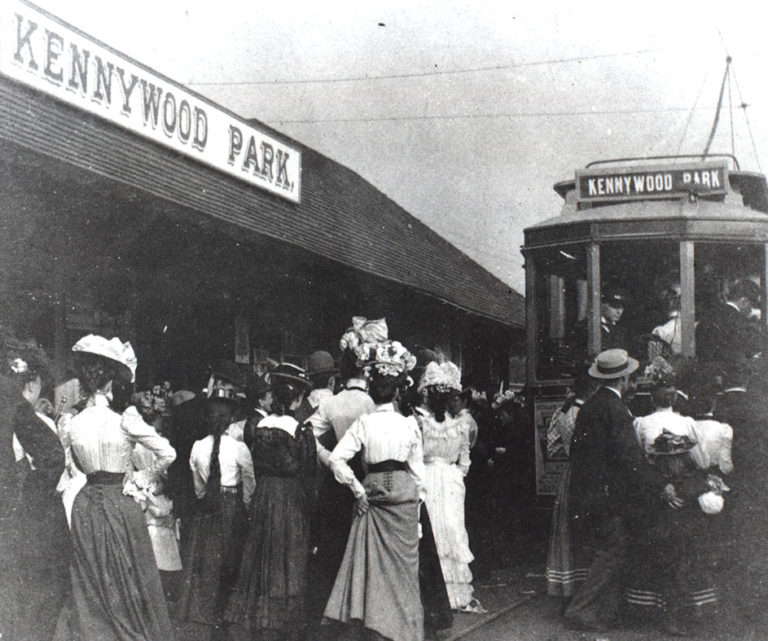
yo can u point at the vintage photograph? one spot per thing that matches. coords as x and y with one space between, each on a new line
384 321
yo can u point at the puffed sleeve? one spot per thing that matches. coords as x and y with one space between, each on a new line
198 477
139 431
349 445
245 463
415 459
725 461
323 432
464 460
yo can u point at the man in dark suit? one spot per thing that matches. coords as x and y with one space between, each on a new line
611 486
725 334
744 406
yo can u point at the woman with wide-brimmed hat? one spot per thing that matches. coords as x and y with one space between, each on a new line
269 599
116 589
222 472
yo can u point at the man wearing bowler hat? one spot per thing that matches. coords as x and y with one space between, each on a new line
610 482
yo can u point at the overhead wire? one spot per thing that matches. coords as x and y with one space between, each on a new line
743 105
423 74
471 116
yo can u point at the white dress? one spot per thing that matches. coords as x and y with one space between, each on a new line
446 463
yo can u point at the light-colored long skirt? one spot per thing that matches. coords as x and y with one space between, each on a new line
445 503
378 582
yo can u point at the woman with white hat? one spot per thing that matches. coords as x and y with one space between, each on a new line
446 463
116 590
269 599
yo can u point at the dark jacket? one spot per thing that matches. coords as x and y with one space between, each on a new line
609 473
725 336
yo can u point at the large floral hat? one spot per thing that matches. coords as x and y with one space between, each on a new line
364 331
388 358
443 377
113 349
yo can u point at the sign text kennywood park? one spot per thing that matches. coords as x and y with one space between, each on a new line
632 183
39 50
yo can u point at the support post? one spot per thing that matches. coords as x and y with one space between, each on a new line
687 298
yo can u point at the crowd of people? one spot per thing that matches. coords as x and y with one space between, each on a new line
661 509
326 503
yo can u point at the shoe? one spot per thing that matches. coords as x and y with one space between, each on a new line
473 607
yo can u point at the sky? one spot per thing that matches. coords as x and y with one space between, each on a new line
465 113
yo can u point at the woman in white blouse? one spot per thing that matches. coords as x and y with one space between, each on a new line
446 461
116 589
222 472
377 585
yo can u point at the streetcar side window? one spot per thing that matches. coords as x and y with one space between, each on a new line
561 311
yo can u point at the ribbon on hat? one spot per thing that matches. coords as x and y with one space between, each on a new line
364 331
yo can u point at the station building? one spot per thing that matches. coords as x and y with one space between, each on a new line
132 206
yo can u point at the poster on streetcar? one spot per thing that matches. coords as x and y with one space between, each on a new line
548 470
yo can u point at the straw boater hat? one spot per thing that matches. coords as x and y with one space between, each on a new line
612 364
114 350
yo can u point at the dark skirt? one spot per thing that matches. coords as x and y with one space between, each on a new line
378 582
212 558
669 568
45 555
116 589
269 599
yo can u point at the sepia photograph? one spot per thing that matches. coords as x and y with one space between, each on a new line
383 321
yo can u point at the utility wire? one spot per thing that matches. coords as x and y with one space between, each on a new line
422 74
690 114
466 116
744 106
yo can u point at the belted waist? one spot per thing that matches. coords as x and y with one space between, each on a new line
105 478
389 465
229 489
437 459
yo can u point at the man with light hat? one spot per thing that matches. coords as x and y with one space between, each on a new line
610 481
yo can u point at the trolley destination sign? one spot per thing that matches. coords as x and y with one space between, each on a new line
634 183
40 51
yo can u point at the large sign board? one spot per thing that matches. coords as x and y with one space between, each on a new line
39 50
643 183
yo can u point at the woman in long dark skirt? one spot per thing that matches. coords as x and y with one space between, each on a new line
223 477
43 544
269 600
116 589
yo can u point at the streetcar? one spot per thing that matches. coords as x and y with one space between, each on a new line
658 237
